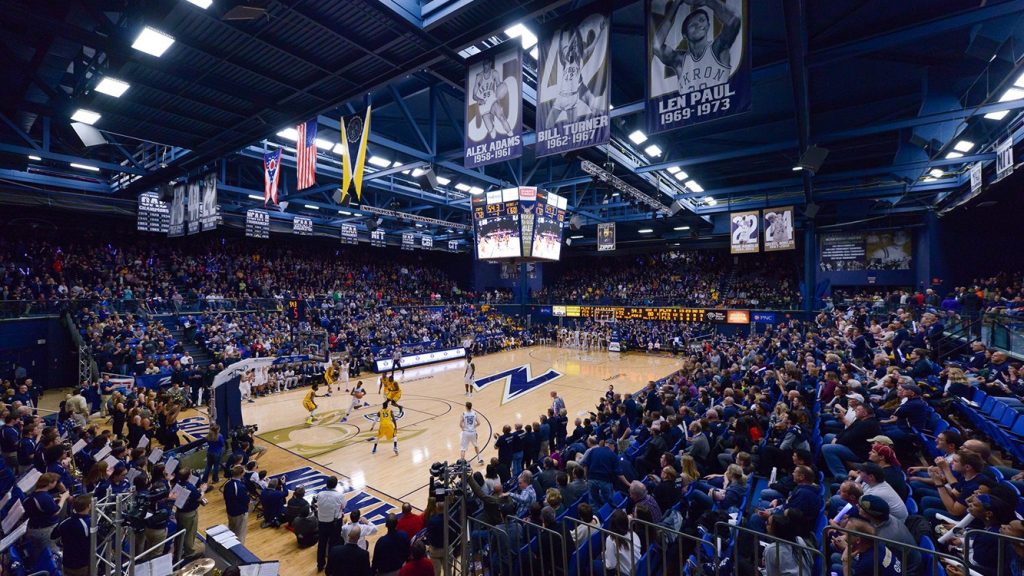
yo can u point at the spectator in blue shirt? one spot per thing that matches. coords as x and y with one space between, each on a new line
74 538
913 413
27 447
214 454
42 511
602 466
10 438
391 549
236 499
864 556
273 498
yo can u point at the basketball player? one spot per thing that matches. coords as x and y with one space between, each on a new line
574 98
488 91
331 376
388 427
309 403
357 399
392 391
467 378
468 425
705 63
344 374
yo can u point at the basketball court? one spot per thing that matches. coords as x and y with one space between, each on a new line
514 386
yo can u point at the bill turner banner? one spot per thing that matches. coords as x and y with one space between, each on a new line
574 83
494 108
698 53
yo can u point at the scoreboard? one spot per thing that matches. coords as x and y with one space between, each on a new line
632 313
521 222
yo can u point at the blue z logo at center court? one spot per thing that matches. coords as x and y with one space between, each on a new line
518 381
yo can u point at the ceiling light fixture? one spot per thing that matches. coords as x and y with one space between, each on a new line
673 169
694 187
85 116
36 158
476 191
379 162
344 212
645 231
84 167
797 168
638 137
711 201
443 181
112 87
936 173
653 150
204 4
152 42
681 175
311 207
681 228
289 134
255 197
954 156
963 146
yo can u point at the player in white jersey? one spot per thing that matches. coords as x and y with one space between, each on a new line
488 90
467 378
468 424
705 62
357 399
574 99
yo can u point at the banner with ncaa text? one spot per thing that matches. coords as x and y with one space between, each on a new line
494 107
698 56
574 82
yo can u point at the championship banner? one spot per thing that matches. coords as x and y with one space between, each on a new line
1004 158
745 237
976 178
271 175
378 238
209 214
453 245
194 190
494 108
574 82
408 241
257 224
177 225
698 56
427 242
606 236
349 234
154 215
778 229
358 131
302 226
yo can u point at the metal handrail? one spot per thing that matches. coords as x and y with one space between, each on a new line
969 534
560 538
616 536
760 537
936 556
160 544
663 542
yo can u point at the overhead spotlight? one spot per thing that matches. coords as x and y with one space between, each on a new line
85 116
152 42
112 87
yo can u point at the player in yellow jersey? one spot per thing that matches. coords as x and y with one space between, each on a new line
331 376
309 403
388 427
392 391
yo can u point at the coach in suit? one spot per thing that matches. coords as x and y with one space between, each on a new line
349 559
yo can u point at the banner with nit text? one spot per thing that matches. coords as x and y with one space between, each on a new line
574 82
494 107
698 62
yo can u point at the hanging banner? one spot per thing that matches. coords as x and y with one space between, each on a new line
356 132
698 57
177 225
778 229
350 234
453 245
257 224
209 214
574 82
745 237
154 215
494 107
302 225
975 178
194 190
427 242
606 236
378 238
271 175
1004 158
408 241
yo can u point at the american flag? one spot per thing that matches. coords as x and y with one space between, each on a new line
305 155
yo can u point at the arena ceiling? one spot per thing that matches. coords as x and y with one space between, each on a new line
888 88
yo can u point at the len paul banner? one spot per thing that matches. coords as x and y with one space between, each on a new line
778 229
494 107
745 236
574 82
698 56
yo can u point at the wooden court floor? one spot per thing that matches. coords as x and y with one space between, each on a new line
433 398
